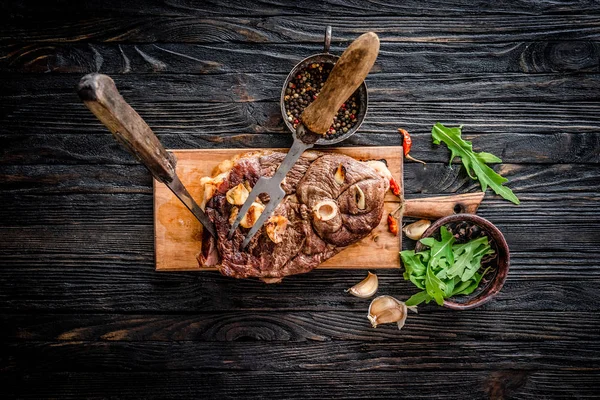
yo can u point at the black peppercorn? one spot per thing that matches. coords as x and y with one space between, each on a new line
304 89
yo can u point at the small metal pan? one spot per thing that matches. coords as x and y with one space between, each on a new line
361 93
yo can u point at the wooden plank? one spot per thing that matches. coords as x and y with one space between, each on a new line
127 254
179 8
115 209
124 286
252 87
178 234
100 148
302 385
307 356
298 28
434 179
523 132
219 58
203 124
300 326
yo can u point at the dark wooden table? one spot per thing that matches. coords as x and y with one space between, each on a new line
83 314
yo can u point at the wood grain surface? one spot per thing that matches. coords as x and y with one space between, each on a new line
178 235
83 314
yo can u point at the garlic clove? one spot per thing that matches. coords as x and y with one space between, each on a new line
252 215
210 187
365 288
225 166
340 174
233 215
220 180
387 309
208 192
237 195
416 230
275 227
361 202
389 316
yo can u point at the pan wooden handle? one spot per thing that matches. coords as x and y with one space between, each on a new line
101 96
438 207
347 75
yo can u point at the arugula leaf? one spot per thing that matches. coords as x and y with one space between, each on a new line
428 241
450 283
475 163
445 269
412 263
418 298
461 287
441 251
434 286
417 281
474 283
471 269
481 241
461 263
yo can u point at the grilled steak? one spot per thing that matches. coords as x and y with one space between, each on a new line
331 201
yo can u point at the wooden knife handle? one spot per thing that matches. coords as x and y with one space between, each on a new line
438 207
347 75
101 96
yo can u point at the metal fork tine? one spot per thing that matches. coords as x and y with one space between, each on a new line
256 190
275 199
271 186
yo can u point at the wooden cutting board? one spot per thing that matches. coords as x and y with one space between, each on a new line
178 234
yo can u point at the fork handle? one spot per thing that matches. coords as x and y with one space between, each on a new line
347 75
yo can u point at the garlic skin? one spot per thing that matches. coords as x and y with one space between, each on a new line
252 215
237 195
387 309
365 288
416 230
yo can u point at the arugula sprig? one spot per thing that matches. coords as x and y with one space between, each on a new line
446 268
475 163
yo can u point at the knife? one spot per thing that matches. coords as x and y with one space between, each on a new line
101 96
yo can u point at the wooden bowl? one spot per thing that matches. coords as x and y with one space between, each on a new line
486 291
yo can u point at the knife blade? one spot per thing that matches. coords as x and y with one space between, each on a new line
182 194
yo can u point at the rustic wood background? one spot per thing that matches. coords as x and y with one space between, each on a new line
82 311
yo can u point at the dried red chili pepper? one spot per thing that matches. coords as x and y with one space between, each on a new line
394 187
392 224
407 144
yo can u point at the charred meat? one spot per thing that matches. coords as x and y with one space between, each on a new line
332 201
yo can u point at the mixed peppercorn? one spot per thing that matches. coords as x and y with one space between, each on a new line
304 88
